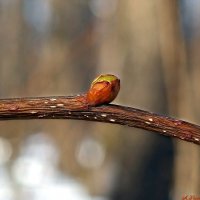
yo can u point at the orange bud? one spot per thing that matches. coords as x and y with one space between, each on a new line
103 90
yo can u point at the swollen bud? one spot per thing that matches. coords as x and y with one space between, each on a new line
103 90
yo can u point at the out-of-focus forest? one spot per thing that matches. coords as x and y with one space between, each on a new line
57 47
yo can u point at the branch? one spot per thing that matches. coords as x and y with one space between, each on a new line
75 107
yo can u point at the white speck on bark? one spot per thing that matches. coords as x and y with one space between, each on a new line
150 119
52 99
60 104
33 112
52 106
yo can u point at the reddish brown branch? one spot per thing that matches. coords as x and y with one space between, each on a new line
75 107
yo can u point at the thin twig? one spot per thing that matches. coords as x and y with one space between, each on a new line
75 107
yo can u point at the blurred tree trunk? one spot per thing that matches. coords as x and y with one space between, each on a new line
181 98
10 23
144 160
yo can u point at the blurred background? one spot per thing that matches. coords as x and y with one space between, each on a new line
57 47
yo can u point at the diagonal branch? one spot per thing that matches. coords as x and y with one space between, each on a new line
75 107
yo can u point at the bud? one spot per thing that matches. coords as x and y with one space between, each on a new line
103 90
